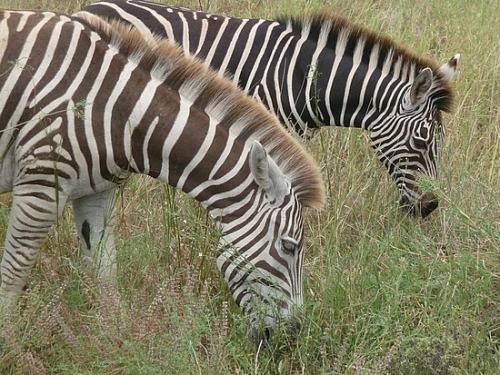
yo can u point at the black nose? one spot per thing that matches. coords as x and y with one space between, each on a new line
266 335
263 338
295 327
427 208
261 335
406 204
423 209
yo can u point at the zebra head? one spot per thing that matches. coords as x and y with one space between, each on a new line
410 142
261 250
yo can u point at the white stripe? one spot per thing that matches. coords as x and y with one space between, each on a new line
312 74
22 20
147 138
246 52
138 24
232 45
173 137
276 79
27 147
88 110
118 88
77 152
340 46
297 117
5 32
372 67
216 42
200 155
75 83
143 104
185 35
64 66
356 61
203 34
261 53
18 67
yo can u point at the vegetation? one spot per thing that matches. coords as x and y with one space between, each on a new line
385 293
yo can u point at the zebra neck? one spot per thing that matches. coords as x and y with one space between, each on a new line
185 147
230 209
326 82
357 97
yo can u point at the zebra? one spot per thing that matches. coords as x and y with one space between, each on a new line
321 70
85 104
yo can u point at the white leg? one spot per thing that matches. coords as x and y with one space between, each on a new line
94 221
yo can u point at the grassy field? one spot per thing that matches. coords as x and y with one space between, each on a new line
385 293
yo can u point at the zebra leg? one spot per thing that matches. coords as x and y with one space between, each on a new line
34 210
94 219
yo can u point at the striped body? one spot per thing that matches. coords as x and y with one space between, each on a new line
85 104
320 71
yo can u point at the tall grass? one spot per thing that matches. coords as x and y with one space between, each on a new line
385 293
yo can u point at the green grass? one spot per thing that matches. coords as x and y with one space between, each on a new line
385 293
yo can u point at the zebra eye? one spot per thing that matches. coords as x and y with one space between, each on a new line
289 245
420 143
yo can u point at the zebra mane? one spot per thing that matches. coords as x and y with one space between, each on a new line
319 23
209 91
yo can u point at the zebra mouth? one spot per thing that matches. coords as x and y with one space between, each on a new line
282 335
271 318
260 335
423 207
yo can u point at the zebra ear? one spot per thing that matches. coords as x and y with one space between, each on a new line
421 86
266 173
448 70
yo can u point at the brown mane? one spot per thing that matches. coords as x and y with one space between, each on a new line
210 91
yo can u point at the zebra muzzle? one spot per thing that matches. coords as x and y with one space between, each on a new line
423 207
274 332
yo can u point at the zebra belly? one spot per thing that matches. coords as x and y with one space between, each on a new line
80 191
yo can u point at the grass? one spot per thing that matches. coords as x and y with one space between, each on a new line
385 293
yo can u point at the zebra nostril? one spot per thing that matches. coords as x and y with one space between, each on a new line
404 201
260 335
406 204
266 335
422 208
427 208
261 328
295 327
